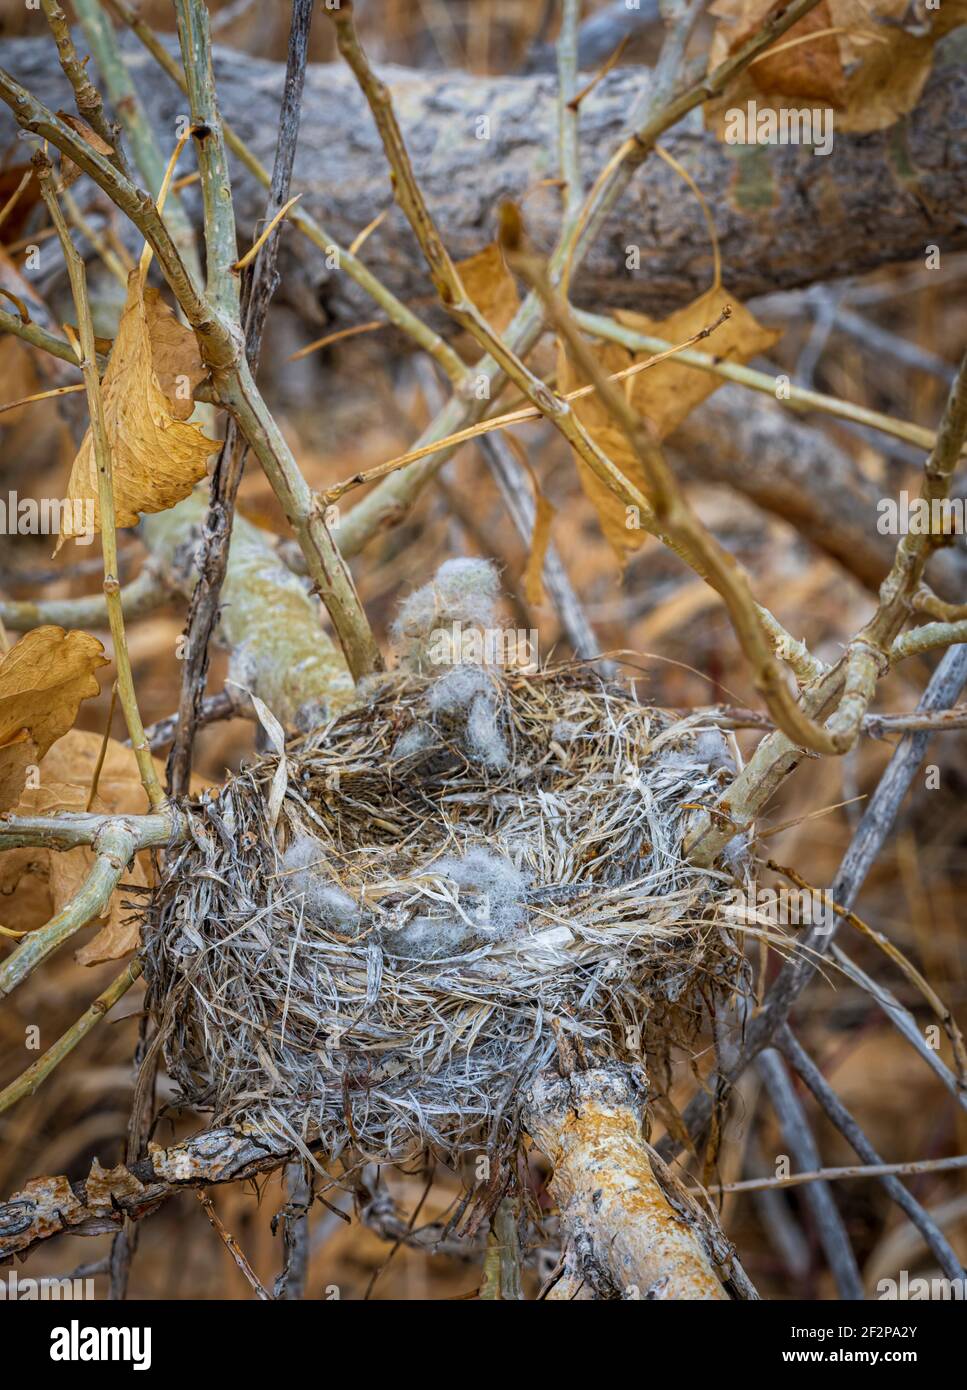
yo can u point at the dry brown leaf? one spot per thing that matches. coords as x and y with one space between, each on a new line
667 393
888 53
157 456
68 870
174 354
17 754
811 71
540 540
664 394
869 72
43 679
610 438
69 171
533 575
490 285
101 345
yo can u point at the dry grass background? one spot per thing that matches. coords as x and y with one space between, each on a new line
372 410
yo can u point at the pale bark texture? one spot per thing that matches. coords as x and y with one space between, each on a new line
622 1238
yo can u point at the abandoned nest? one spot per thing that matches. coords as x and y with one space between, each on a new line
465 872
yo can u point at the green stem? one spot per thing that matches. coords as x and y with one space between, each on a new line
123 94
28 1082
796 398
114 846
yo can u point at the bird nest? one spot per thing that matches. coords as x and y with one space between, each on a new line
376 938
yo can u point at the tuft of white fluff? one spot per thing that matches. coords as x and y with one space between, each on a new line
490 891
412 740
462 591
484 739
467 693
323 901
458 688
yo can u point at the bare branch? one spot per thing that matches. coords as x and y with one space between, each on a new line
819 1199
806 1068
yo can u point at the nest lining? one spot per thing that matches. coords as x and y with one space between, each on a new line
455 886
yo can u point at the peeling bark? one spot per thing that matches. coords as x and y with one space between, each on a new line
47 1207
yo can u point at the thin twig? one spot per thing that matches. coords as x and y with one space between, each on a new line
894 953
87 97
232 1246
872 1170
227 475
806 1068
123 94
868 838
38 1072
114 847
798 398
105 490
142 595
675 522
819 1199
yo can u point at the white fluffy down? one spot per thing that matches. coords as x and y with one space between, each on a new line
483 900
461 591
304 875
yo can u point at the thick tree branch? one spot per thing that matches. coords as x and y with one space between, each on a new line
766 201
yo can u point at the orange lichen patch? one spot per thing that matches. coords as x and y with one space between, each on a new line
609 1198
105 1184
44 1207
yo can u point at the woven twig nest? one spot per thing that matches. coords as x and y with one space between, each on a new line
378 940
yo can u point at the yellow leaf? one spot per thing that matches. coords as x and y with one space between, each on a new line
174 355
157 457
664 394
17 754
612 512
667 393
490 285
43 679
807 62
541 534
887 60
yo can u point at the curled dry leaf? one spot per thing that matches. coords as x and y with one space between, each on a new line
664 394
157 457
43 679
865 60
174 355
18 754
69 171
